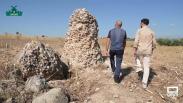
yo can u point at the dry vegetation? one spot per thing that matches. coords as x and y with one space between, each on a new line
96 85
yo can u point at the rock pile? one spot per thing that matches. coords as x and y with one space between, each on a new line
81 46
38 59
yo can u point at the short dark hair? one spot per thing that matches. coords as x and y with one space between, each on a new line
145 21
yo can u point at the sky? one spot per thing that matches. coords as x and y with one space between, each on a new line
51 17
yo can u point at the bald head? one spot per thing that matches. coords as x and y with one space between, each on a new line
118 24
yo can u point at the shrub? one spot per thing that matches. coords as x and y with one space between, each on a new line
170 42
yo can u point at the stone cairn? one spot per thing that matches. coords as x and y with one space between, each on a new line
38 59
81 46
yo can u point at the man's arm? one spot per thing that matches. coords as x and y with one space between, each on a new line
135 45
154 41
107 44
124 42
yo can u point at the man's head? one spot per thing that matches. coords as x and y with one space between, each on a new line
118 24
144 22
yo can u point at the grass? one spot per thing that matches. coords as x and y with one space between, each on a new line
12 40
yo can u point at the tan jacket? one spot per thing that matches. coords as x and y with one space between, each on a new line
145 41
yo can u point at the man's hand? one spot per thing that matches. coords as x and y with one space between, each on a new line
107 42
106 53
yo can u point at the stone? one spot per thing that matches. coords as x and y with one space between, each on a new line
97 89
15 74
111 101
11 100
38 59
56 83
81 46
8 87
116 96
35 84
55 95
11 91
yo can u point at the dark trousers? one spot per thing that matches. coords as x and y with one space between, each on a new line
116 63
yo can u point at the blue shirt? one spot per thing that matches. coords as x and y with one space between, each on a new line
117 37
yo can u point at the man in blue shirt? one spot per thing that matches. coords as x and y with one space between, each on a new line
117 42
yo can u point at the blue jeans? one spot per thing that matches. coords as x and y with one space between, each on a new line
116 64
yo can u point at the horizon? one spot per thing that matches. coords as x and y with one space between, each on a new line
51 18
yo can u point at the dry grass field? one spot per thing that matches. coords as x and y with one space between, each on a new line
97 86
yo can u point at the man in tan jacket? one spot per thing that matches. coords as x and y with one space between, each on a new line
144 45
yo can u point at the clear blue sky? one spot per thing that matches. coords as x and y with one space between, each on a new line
50 17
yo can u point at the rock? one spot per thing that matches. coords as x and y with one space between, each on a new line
131 90
11 91
11 100
111 101
149 101
35 84
8 100
81 46
1 89
56 83
97 89
38 59
116 96
55 95
9 88
15 74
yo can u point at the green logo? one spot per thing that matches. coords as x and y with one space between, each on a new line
14 12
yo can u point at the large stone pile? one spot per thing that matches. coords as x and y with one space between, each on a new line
38 59
81 45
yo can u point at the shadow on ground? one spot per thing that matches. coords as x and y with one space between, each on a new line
128 70
125 72
151 75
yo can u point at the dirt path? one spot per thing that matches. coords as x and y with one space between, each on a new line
128 91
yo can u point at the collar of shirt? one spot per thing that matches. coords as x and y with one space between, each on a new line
144 27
